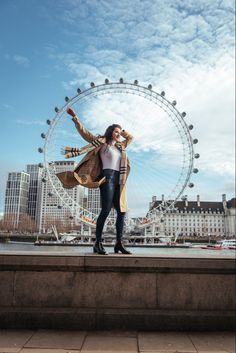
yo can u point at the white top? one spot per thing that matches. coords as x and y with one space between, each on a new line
110 156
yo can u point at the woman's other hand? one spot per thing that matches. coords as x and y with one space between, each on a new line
71 112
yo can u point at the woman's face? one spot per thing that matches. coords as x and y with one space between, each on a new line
116 134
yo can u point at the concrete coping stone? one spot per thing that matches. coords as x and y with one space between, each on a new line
114 263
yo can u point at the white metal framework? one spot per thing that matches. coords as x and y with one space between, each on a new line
159 99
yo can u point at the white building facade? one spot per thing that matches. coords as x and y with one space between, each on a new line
16 197
196 219
230 217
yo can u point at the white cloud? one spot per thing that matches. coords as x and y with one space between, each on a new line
6 106
21 60
185 48
30 122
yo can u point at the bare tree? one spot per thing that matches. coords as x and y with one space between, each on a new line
26 223
9 222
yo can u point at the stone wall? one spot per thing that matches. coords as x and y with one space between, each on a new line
116 292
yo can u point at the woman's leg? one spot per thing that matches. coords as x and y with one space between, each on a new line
119 223
107 193
120 215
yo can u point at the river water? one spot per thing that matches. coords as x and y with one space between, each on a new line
194 252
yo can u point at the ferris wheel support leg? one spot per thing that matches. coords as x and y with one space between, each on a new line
153 231
82 228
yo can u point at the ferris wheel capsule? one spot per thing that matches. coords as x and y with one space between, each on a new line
150 86
56 109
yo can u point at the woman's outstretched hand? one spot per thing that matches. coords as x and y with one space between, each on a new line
71 112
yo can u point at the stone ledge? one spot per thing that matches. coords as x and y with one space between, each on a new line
110 292
114 263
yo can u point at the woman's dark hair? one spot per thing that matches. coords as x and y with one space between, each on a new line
109 131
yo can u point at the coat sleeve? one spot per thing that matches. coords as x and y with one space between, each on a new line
128 138
87 136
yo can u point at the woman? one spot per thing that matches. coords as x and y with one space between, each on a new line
105 166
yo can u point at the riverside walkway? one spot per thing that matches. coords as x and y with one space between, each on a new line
57 341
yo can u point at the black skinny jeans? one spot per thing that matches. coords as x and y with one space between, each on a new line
110 194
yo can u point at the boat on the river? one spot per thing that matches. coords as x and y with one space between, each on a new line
212 247
228 244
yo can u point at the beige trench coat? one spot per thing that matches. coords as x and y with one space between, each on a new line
88 171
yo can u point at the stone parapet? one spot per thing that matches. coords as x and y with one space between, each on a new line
116 292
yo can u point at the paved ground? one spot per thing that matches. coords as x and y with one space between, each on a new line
50 341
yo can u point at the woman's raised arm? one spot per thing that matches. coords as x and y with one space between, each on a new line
79 126
128 138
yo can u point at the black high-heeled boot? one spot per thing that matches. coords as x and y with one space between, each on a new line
119 247
98 248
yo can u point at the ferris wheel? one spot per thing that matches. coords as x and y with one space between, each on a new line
162 155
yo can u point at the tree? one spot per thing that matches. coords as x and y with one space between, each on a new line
9 222
26 223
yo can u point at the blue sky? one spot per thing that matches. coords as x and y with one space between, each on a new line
49 48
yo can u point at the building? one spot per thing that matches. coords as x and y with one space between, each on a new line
16 198
29 195
52 209
196 218
35 189
230 216
93 201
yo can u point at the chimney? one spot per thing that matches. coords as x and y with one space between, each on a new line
186 201
154 198
162 197
198 201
